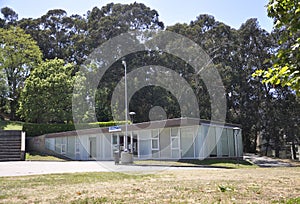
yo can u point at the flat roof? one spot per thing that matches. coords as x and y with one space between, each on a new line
175 122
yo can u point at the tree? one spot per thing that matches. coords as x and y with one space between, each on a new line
59 35
3 94
19 55
10 17
53 34
46 97
114 19
286 63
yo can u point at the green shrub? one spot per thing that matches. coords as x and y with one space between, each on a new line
36 129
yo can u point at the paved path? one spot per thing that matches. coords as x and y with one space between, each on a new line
263 161
22 168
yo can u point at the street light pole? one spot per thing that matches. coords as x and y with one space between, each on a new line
126 108
131 135
236 131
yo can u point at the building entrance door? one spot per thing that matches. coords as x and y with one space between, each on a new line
117 140
93 148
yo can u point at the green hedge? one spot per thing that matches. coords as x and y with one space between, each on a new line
34 129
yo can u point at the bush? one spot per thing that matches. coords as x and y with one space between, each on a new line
35 129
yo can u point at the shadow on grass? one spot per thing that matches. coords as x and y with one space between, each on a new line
207 163
215 161
219 163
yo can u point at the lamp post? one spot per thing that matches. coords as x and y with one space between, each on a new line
126 110
236 131
131 114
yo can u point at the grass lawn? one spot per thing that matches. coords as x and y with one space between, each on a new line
11 125
37 156
222 163
246 185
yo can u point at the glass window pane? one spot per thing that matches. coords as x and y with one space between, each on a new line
224 141
174 132
155 153
175 142
230 137
154 134
187 142
154 144
115 139
63 149
175 153
77 148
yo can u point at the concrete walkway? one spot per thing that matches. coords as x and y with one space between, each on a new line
263 161
22 168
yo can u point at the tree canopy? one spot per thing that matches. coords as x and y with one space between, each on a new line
285 68
46 96
45 81
19 54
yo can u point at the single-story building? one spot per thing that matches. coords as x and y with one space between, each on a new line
179 138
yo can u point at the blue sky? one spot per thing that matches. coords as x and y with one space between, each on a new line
230 12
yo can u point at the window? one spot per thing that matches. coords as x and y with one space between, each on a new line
175 142
77 146
174 138
63 149
155 143
115 139
174 132
154 140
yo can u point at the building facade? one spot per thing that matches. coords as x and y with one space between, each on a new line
181 138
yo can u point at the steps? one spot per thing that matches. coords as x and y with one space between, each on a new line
11 146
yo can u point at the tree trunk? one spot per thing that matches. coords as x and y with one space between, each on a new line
293 150
277 145
267 147
13 109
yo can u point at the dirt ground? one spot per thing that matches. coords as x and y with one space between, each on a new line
252 185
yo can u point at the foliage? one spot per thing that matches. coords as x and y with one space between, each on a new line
236 54
285 70
34 129
263 109
10 17
11 125
46 97
19 55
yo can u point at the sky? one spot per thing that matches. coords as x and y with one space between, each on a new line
231 12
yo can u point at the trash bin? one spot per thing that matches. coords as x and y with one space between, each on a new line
117 157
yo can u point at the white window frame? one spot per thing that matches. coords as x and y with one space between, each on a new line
63 148
175 136
77 146
115 147
154 139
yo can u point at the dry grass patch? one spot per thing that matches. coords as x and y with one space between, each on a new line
252 185
38 156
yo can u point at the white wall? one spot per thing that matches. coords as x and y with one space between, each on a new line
197 142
